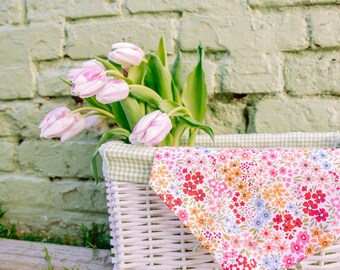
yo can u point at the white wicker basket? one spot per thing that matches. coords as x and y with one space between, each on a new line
146 235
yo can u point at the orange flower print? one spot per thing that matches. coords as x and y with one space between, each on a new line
325 241
225 169
316 233
230 179
194 211
241 186
267 194
310 250
245 195
280 202
202 219
237 173
279 190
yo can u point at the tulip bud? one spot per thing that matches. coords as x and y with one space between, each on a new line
151 129
89 80
114 90
126 54
60 122
97 123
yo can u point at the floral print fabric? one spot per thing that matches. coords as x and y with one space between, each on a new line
253 208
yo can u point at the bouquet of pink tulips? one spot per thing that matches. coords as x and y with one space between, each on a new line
144 99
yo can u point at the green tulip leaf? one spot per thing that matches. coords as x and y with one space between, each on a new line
65 81
106 136
132 111
192 123
106 64
161 77
177 71
162 52
137 73
120 116
93 102
169 106
145 94
195 94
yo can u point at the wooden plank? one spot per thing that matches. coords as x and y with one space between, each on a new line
24 255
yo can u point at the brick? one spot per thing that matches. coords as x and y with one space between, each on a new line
23 118
252 73
87 38
280 31
224 117
57 159
48 83
137 6
296 115
217 31
13 87
33 42
238 31
325 27
280 3
12 12
313 73
55 208
7 154
59 9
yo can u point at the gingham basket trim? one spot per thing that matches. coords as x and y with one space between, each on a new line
129 163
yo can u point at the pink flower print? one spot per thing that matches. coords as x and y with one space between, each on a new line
282 170
249 243
305 164
265 233
182 215
308 177
222 186
282 247
316 169
321 215
244 155
225 245
213 183
296 247
288 260
235 241
272 155
322 177
264 158
303 237
217 193
319 196
273 173
310 207
268 247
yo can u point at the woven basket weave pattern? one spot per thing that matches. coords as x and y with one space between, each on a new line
146 235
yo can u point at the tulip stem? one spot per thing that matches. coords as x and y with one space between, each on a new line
174 110
100 111
192 137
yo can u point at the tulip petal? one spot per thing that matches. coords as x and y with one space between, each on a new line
58 127
53 116
75 129
114 90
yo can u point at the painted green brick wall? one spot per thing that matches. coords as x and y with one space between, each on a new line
271 65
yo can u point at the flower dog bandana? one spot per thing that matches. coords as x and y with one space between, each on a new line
253 208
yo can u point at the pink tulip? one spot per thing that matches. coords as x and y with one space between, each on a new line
126 54
89 80
97 123
114 90
60 122
151 129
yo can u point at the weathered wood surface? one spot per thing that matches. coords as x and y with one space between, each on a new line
24 255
